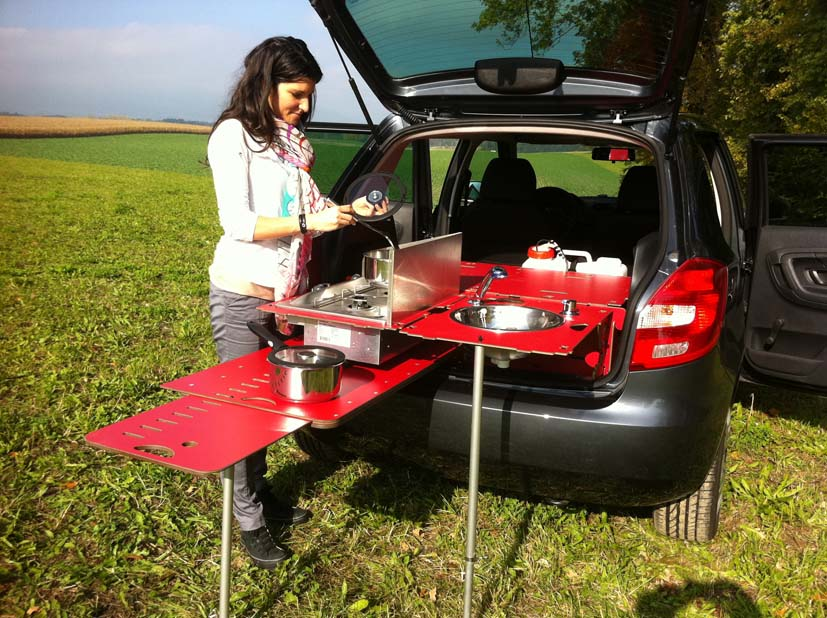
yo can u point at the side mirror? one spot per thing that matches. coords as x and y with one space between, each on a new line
473 190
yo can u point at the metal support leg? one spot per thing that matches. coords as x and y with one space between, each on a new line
226 541
473 479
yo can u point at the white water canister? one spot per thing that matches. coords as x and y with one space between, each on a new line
603 266
546 255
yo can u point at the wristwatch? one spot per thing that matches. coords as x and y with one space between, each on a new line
302 223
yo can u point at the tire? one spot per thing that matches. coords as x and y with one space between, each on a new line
696 517
320 444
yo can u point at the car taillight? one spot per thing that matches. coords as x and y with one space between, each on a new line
682 321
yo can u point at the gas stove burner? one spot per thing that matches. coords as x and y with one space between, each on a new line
360 303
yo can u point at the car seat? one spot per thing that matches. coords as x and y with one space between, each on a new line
504 220
637 213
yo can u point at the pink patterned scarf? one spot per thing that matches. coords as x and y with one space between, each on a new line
302 196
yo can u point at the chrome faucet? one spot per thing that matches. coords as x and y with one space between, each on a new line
498 272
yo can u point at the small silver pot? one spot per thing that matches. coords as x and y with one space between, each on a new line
377 266
306 373
302 373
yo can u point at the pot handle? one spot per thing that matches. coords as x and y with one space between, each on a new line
264 333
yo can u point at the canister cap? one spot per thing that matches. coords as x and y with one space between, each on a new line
542 251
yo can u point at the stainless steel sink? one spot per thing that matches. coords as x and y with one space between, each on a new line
506 317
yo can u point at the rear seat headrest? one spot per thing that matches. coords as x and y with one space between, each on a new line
639 190
508 179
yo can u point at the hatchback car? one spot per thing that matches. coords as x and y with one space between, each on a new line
516 122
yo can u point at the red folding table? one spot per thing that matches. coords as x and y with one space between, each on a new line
229 414
229 411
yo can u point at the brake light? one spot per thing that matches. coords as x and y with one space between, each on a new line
682 321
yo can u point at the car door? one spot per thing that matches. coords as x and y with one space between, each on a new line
786 332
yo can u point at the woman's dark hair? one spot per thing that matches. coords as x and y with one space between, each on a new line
273 61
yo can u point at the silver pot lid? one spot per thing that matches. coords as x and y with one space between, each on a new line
306 356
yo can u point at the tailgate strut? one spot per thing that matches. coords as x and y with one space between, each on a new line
356 92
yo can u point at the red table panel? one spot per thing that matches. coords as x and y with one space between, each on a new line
562 339
588 288
245 381
195 435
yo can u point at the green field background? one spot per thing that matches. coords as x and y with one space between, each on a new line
104 249
187 154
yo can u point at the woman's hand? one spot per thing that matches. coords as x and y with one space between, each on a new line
331 218
363 208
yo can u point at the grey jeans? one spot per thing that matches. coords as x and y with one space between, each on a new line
229 314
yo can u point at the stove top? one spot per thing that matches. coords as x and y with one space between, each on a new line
356 297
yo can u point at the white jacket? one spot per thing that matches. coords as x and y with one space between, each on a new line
248 184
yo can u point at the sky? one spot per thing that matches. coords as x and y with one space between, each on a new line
153 59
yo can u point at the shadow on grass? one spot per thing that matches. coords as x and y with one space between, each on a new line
668 600
509 561
400 490
794 405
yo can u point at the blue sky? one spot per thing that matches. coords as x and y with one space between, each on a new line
152 59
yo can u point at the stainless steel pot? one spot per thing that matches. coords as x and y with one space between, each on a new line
304 373
377 266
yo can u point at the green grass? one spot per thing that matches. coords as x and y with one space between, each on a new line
185 154
103 297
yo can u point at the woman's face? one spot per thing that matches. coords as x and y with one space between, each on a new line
290 101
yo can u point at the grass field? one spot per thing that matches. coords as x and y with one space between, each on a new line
103 290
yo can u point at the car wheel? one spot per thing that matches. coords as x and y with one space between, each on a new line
321 444
696 517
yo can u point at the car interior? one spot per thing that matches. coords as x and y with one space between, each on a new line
507 191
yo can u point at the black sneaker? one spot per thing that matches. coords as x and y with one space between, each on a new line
278 512
262 548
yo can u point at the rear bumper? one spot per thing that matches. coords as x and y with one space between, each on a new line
652 444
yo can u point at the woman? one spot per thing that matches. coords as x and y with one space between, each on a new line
270 209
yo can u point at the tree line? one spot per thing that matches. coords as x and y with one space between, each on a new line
760 66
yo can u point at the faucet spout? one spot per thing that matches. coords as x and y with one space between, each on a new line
497 272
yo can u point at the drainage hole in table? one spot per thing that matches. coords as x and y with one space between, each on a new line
578 326
182 415
166 420
150 428
237 390
196 409
249 385
132 435
154 449
261 380
189 443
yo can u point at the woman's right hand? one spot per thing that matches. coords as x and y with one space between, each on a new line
331 218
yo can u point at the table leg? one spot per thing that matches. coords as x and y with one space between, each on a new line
226 540
473 479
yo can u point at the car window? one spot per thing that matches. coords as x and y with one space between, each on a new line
724 183
711 218
483 155
795 185
441 151
334 151
571 167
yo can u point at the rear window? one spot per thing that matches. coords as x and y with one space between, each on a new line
414 38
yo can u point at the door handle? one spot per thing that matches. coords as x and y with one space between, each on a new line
819 276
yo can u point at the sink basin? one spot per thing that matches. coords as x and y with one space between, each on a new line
507 317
